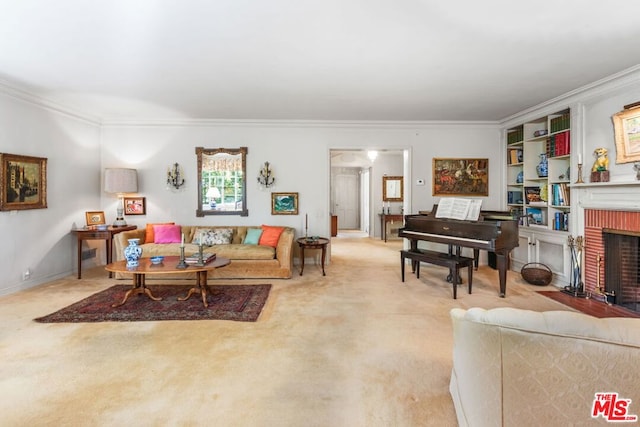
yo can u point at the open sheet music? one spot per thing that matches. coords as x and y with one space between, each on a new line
459 208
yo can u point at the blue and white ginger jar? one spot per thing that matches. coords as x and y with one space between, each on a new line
543 167
132 253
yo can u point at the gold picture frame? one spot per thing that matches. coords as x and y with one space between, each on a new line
392 188
460 177
135 205
284 203
95 218
626 126
23 182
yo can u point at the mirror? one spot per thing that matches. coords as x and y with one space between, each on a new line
222 186
392 189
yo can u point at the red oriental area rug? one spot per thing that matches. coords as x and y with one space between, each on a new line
233 302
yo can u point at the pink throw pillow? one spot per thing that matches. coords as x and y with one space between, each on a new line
167 234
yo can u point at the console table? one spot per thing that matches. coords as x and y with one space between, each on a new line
386 219
106 235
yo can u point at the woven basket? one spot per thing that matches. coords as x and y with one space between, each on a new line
536 273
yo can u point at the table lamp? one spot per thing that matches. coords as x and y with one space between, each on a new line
120 181
213 193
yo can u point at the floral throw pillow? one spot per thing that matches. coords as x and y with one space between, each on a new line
213 236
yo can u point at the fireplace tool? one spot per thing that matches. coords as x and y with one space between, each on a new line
576 285
609 297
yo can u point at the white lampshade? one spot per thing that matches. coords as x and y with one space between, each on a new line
120 180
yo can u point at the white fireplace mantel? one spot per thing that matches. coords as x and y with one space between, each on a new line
619 196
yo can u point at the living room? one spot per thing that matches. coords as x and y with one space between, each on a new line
80 142
149 136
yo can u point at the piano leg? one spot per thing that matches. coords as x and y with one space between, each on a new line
476 258
451 271
502 259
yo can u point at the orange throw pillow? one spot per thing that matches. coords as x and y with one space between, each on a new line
270 235
149 236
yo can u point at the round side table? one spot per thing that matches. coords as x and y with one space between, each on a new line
308 243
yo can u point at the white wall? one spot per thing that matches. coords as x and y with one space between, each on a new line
299 154
39 239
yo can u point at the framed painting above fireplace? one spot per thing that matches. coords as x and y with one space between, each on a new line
626 125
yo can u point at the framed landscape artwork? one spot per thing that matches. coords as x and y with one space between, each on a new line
460 177
135 206
23 182
284 203
627 134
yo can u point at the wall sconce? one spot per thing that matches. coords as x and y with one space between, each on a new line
372 155
266 178
175 176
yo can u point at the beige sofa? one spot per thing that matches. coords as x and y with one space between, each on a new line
516 367
247 261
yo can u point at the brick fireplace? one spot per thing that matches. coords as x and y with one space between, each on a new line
595 260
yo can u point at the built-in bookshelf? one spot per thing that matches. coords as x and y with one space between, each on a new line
542 198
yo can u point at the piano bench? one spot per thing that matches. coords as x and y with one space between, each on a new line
453 262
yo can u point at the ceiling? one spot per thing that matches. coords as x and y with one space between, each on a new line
312 60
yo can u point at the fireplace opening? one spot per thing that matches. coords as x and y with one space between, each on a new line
622 269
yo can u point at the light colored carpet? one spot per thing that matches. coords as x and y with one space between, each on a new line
355 348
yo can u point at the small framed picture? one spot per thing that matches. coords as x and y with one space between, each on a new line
135 206
284 203
95 218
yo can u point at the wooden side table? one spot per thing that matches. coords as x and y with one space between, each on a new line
306 243
385 219
106 235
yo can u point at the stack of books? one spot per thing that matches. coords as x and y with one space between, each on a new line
193 259
559 144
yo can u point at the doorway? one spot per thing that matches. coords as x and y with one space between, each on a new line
355 193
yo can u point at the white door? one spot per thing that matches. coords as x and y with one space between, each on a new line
346 201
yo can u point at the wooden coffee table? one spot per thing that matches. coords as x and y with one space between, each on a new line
168 266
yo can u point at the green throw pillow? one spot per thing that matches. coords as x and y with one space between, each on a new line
253 236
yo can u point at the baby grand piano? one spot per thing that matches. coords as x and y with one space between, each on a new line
494 232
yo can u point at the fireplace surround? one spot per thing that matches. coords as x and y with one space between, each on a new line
606 270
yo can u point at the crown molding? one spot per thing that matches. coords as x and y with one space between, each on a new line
592 90
386 124
45 103
27 96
